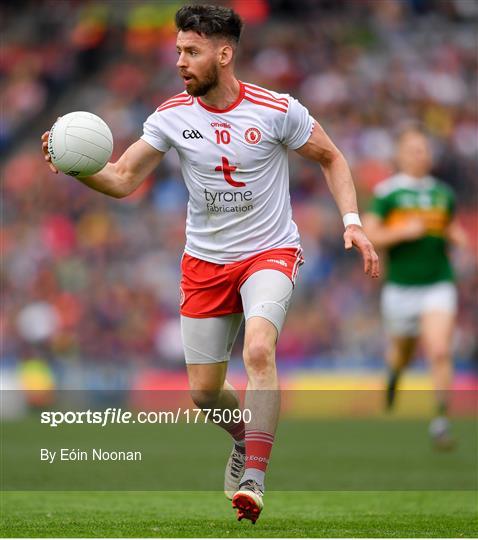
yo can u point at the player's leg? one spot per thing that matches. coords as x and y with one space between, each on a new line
399 353
265 296
438 323
207 344
437 333
400 311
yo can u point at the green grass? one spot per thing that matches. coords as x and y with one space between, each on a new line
208 514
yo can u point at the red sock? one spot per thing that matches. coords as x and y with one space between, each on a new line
258 449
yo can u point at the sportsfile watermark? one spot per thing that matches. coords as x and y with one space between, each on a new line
159 440
112 415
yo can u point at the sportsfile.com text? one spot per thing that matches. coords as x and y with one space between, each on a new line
120 416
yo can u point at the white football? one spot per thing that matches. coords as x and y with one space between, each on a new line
80 143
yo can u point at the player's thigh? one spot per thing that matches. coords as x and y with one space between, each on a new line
438 319
400 350
437 333
209 340
207 347
266 294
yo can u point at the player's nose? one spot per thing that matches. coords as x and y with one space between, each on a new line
181 63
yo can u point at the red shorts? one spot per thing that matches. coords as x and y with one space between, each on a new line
212 290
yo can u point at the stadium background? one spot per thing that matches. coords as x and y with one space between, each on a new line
90 284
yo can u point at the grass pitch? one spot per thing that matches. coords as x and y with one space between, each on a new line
208 514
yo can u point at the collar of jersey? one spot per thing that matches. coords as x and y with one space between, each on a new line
426 182
240 97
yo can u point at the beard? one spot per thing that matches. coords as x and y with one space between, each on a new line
201 87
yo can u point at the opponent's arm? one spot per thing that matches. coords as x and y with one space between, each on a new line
121 178
384 237
337 173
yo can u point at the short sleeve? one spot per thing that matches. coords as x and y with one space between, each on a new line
451 203
379 206
298 125
154 135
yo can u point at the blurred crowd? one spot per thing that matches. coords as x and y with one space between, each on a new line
91 281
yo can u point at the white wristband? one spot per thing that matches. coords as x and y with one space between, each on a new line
351 218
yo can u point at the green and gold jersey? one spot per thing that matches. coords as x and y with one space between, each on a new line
402 197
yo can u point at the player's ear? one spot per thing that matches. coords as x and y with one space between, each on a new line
226 53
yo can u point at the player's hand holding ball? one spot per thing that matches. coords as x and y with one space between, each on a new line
78 144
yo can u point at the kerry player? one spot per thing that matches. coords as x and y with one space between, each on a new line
411 218
242 250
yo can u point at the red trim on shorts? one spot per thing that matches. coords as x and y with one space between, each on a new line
298 263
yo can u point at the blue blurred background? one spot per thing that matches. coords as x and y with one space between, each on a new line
90 284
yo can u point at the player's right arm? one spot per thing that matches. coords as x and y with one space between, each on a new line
383 237
456 234
121 178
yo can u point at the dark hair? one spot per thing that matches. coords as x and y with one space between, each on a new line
210 21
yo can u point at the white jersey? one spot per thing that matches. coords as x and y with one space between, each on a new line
234 163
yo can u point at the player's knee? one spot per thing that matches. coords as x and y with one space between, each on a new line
440 355
205 398
258 354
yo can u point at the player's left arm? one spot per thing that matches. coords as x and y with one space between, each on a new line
320 148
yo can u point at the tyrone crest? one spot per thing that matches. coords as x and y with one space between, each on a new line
253 135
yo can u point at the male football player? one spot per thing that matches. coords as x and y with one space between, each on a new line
411 218
242 250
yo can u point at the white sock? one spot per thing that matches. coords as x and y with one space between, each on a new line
254 474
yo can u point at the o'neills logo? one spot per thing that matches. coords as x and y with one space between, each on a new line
219 202
221 125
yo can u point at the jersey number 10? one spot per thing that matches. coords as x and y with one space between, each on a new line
223 137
